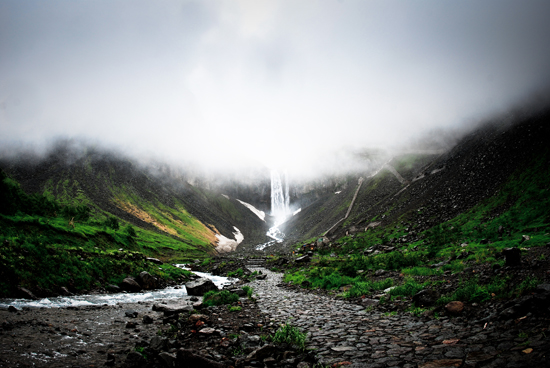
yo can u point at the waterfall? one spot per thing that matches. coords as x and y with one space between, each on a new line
280 199
280 208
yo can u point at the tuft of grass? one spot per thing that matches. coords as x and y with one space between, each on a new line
212 298
290 335
248 290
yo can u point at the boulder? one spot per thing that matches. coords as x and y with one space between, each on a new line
305 284
513 256
168 359
134 360
200 286
129 284
147 320
186 358
425 298
158 343
455 307
147 281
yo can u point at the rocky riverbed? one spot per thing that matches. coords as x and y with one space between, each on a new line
340 333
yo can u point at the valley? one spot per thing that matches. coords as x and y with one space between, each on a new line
421 259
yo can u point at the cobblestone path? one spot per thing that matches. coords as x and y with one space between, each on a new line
340 331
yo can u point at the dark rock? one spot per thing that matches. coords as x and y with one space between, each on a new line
129 284
158 343
131 325
200 286
239 292
147 281
25 293
131 314
168 359
262 353
12 309
187 359
261 277
513 256
147 320
305 284
134 360
425 298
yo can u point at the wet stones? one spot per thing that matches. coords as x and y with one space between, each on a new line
131 313
200 286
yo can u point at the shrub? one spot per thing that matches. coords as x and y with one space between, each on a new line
290 335
219 298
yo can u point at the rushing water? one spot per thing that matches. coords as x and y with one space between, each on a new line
280 208
176 292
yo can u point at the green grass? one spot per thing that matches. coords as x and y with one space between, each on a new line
288 334
212 298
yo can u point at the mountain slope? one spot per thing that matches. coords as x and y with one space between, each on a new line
114 185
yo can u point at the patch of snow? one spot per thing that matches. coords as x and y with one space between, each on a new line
297 211
225 195
226 245
257 212
338 192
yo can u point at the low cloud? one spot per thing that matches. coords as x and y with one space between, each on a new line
293 85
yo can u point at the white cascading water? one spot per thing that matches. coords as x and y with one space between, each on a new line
280 208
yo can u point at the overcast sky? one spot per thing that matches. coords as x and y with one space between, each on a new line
277 81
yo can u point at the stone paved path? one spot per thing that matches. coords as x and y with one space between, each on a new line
340 331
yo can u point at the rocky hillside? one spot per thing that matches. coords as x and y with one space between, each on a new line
422 189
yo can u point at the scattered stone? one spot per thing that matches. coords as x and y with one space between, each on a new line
187 359
158 343
455 307
303 259
12 309
207 331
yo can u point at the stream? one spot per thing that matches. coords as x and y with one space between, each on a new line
172 292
